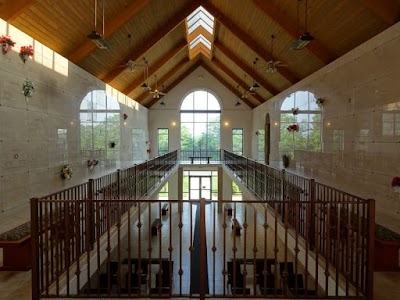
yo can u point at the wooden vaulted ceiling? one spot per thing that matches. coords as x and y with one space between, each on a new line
242 32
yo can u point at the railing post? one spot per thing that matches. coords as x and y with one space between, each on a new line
202 248
35 248
313 195
90 216
282 212
119 183
371 249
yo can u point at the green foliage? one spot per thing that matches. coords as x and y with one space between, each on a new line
285 160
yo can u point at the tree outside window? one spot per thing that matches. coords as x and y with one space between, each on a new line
237 141
163 145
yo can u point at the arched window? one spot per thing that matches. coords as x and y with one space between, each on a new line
300 109
200 125
100 127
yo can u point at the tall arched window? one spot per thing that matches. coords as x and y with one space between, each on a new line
200 125
100 127
308 119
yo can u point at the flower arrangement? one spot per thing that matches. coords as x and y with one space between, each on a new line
293 128
66 172
396 184
125 116
28 89
320 102
91 163
295 111
25 52
6 43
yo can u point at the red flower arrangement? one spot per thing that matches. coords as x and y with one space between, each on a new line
6 43
396 184
25 52
293 127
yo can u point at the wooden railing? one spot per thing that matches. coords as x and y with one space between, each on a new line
337 226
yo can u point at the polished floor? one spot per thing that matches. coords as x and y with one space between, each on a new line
16 285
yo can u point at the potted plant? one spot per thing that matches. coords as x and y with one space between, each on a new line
285 160
6 43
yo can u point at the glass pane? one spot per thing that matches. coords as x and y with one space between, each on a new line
288 103
200 100
112 104
187 117
113 117
199 117
99 100
194 183
301 100
206 194
206 183
214 117
213 103
200 173
194 194
187 104
99 117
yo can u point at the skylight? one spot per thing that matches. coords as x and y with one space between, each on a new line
200 28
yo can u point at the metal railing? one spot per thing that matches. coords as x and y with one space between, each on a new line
337 226
188 249
76 226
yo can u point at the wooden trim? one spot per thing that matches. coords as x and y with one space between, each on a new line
10 10
163 31
200 30
273 12
246 69
388 10
237 79
225 83
154 68
199 48
248 41
115 23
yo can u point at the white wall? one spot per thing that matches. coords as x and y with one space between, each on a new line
163 116
359 89
31 156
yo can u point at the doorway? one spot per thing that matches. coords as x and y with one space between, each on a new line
200 187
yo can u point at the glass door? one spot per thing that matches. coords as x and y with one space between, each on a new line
199 187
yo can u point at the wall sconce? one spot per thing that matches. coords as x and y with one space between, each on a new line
328 124
276 123
125 116
226 123
173 123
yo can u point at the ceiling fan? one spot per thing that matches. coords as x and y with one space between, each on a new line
145 85
130 65
156 93
272 65
245 93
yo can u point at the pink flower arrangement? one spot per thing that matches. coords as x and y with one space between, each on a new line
25 52
293 128
6 43
396 184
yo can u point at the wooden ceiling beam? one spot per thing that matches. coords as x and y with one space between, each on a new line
161 81
10 10
273 12
237 79
226 84
175 82
157 65
248 41
388 10
115 23
200 30
241 64
162 31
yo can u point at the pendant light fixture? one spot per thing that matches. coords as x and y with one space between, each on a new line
96 37
305 38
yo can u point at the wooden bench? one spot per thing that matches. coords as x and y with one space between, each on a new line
17 250
164 209
192 158
236 224
155 226
228 209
